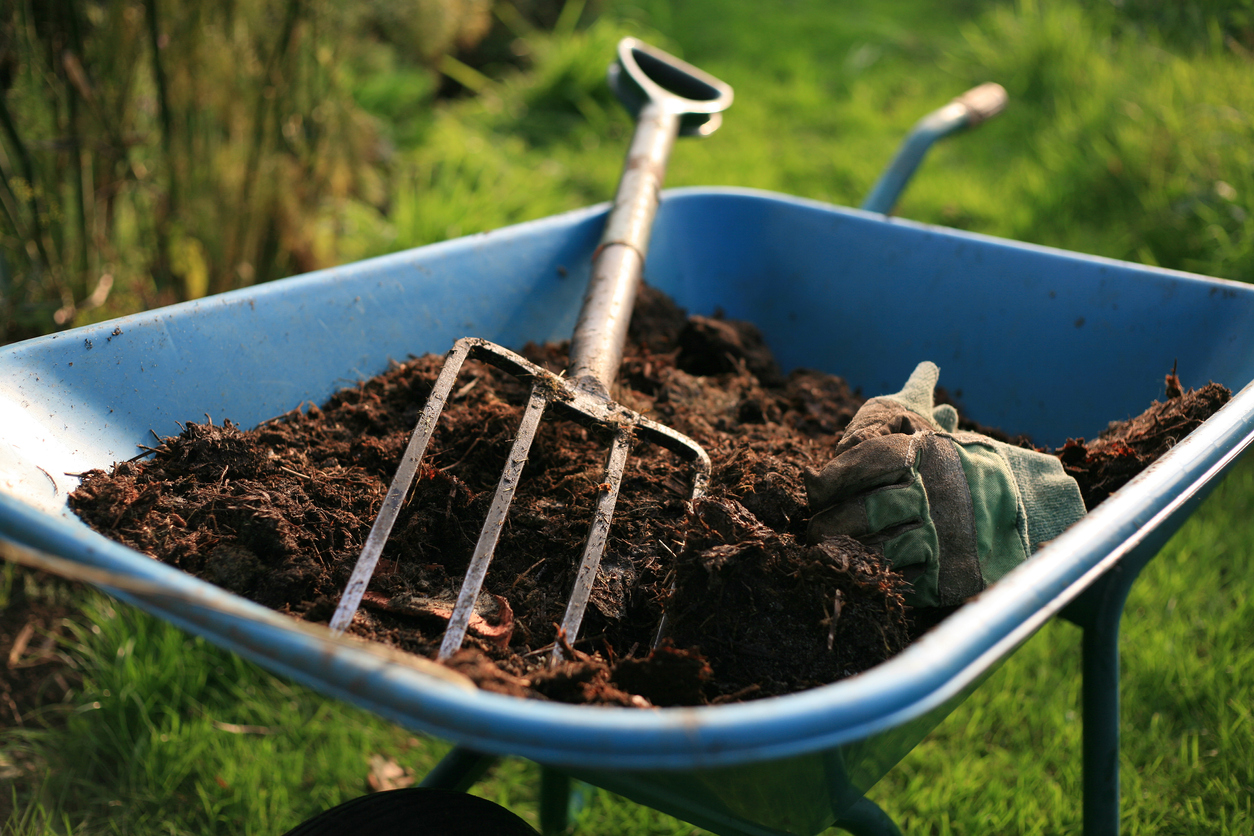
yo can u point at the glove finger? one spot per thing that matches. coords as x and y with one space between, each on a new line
919 390
848 518
915 553
946 416
880 416
891 511
875 463
892 521
874 517
931 537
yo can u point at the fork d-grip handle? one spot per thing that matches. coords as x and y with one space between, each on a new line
668 98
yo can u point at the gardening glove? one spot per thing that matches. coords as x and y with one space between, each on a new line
952 511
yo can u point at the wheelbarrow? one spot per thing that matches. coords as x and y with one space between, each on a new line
1050 343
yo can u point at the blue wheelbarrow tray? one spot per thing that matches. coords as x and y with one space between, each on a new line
1033 340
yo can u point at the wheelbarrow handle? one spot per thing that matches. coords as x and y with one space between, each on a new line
977 105
669 98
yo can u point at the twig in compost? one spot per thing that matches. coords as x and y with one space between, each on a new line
837 604
525 572
469 450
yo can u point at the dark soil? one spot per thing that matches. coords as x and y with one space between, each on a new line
278 514
1125 448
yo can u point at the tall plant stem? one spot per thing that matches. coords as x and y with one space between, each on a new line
28 172
163 105
263 106
77 170
167 203
12 211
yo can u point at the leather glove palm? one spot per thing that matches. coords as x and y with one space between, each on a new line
952 511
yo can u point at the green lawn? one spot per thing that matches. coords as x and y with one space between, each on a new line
1120 140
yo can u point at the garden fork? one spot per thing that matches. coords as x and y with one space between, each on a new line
669 98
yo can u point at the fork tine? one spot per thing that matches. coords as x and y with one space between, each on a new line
594 546
491 532
399 488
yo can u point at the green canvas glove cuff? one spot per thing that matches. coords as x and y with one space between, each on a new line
952 511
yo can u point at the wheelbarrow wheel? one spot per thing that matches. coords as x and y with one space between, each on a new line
415 811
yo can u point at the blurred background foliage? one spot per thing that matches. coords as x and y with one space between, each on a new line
157 150
154 151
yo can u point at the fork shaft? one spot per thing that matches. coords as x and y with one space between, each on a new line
596 347
662 92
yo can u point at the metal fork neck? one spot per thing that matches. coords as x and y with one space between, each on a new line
596 348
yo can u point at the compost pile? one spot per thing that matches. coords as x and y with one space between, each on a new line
279 514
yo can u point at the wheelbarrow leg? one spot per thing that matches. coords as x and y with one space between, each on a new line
461 768
555 788
1100 701
865 818
458 770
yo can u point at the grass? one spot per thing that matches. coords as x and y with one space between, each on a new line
1120 140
